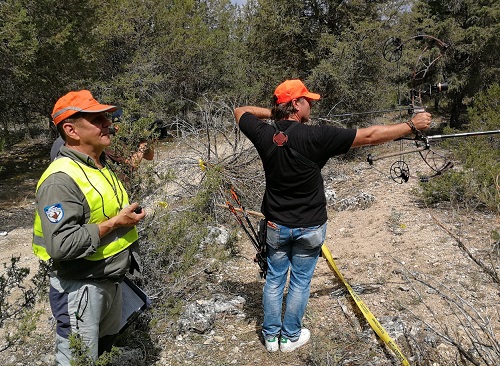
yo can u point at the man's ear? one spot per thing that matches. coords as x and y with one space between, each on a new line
296 104
70 130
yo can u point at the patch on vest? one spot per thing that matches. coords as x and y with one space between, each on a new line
54 213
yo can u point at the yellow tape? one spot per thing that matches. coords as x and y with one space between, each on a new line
374 323
202 164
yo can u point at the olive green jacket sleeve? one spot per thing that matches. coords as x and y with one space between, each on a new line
70 237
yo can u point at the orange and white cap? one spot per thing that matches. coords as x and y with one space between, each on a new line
78 101
293 89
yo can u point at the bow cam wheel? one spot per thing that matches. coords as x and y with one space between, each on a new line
400 172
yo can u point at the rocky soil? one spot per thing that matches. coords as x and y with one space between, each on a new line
415 267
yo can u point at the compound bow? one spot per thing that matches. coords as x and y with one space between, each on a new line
434 49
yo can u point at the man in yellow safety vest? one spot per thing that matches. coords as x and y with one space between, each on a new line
85 228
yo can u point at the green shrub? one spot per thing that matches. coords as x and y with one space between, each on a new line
18 296
81 355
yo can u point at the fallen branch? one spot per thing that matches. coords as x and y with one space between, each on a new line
473 335
462 246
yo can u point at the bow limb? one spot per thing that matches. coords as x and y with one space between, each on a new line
426 60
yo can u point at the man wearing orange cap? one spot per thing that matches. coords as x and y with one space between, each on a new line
294 202
119 153
85 229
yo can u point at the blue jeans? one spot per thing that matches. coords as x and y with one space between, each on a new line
296 249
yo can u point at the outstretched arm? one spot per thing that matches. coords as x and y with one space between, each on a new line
379 134
258 112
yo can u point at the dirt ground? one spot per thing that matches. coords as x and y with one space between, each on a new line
406 267
403 259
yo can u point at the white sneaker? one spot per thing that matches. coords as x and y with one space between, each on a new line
287 345
272 344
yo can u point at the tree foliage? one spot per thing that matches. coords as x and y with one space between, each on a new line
471 28
44 54
161 58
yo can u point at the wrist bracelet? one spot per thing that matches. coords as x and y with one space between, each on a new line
412 126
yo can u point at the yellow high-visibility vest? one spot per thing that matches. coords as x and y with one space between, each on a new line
99 187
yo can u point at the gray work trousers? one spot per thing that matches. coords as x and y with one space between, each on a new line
90 308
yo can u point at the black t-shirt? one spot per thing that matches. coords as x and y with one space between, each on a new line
295 194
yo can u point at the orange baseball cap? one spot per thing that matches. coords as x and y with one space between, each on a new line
293 89
78 101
